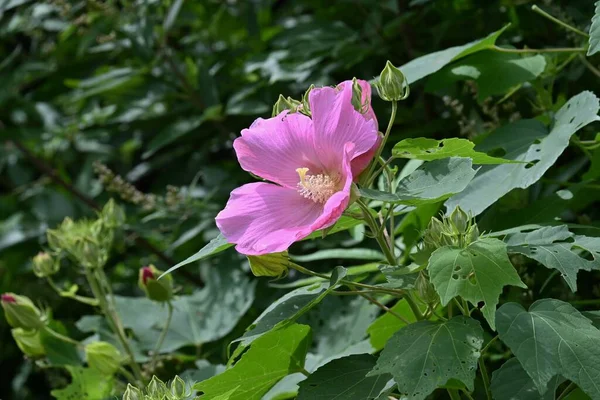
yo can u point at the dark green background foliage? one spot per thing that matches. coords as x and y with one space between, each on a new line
158 89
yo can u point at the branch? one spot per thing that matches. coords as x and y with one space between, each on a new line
46 169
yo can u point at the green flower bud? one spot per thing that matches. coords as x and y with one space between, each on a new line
44 265
460 220
112 215
392 84
426 290
29 342
283 104
20 312
178 388
103 357
357 96
133 393
156 289
157 388
274 264
472 234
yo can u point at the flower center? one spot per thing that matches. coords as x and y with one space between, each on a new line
318 188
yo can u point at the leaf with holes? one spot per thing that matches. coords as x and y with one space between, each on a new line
477 273
557 248
525 140
423 356
431 183
270 358
550 339
344 378
595 32
511 382
429 64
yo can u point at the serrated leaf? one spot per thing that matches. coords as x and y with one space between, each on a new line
557 248
550 339
433 62
423 356
86 384
525 140
477 273
270 358
431 149
344 378
511 382
595 32
431 183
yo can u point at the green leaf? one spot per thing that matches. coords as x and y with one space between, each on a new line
550 339
400 277
577 394
525 140
384 327
172 15
511 382
58 351
205 316
495 73
477 273
344 378
433 62
431 149
344 254
557 248
270 358
423 356
431 183
288 308
86 384
595 32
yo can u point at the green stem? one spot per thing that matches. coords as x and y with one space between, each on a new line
558 21
554 50
460 307
370 176
467 394
63 337
162 337
106 310
589 65
127 374
413 306
304 372
489 344
454 394
485 377
82 299
386 309
391 258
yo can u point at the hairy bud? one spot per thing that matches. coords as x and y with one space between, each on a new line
160 290
392 84
29 342
103 357
283 104
178 388
133 393
45 265
20 312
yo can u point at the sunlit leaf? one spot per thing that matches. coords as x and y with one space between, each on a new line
86 384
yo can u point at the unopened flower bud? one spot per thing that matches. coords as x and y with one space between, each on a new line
133 393
392 84
460 220
112 215
156 388
357 96
426 290
20 312
178 389
103 357
472 234
283 104
156 289
44 265
274 264
29 342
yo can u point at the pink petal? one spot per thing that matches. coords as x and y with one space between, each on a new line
262 218
274 148
336 123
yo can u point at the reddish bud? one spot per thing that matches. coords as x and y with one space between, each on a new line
160 290
146 274
8 298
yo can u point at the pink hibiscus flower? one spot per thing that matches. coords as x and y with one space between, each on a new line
312 164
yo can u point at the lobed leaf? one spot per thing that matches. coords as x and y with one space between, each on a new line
431 149
595 32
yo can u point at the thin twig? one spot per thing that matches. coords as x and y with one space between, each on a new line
558 21
385 308
46 169
589 65
552 50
